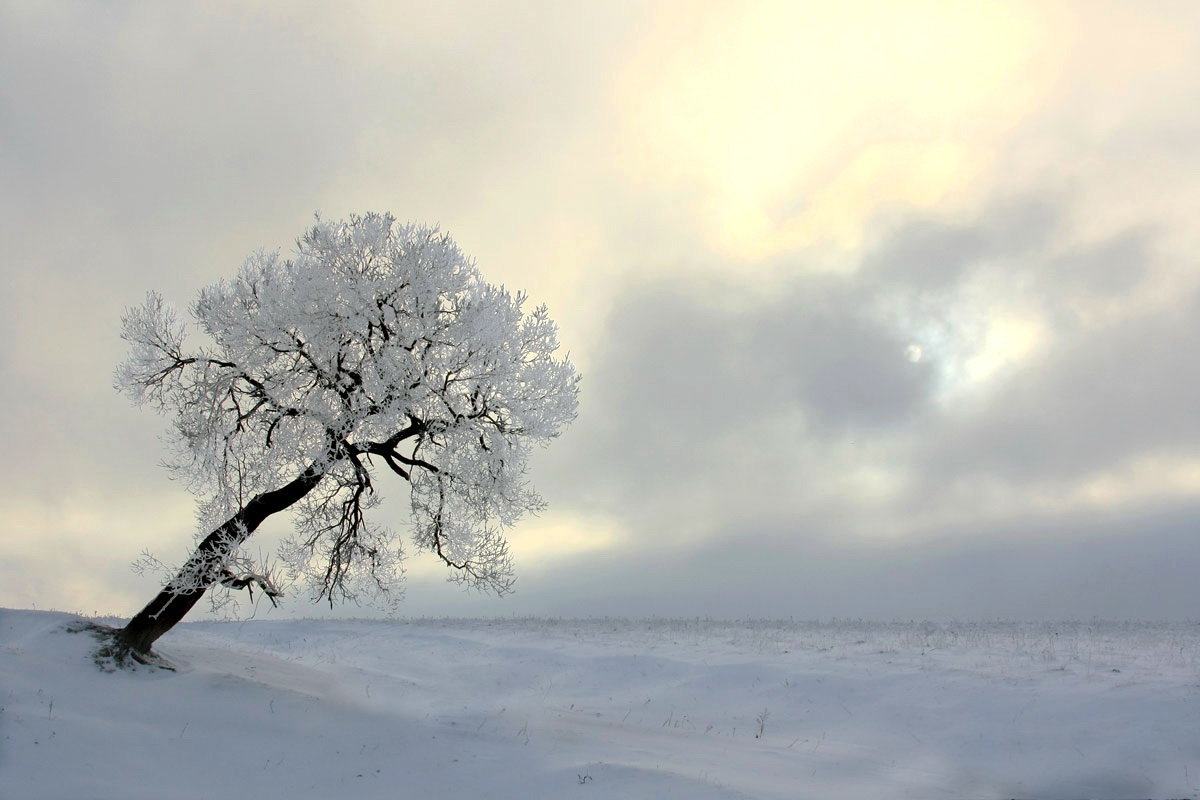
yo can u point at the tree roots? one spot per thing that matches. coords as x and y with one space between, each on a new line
113 653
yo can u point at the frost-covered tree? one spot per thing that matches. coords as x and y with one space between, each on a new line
377 347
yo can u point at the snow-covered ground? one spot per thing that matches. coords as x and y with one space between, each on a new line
533 708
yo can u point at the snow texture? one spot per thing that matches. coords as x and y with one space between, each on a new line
535 708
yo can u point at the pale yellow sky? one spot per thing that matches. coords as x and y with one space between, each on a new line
796 123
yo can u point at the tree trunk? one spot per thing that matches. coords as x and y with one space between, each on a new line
172 604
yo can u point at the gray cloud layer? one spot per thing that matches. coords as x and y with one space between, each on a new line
731 413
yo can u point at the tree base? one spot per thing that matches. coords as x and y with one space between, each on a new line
113 653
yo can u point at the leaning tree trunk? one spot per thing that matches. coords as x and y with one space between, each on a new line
202 570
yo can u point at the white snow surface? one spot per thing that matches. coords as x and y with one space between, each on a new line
535 708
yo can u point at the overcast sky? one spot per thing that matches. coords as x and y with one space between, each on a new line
883 309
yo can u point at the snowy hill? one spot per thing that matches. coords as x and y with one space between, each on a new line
605 709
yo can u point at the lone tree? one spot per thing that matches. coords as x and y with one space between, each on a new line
376 345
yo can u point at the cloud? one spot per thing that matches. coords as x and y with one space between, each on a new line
1136 563
1099 398
920 252
794 425
1132 565
698 398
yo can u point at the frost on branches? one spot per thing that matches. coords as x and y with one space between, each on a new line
377 348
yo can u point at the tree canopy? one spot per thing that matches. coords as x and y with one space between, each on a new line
375 346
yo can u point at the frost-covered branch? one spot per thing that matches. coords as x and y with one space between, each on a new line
374 343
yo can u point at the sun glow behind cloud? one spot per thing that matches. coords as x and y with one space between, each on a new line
1008 341
796 122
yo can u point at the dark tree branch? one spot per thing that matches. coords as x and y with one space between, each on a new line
203 568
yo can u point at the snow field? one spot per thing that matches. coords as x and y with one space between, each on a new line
535 708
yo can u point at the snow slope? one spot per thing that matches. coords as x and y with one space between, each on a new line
605 709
